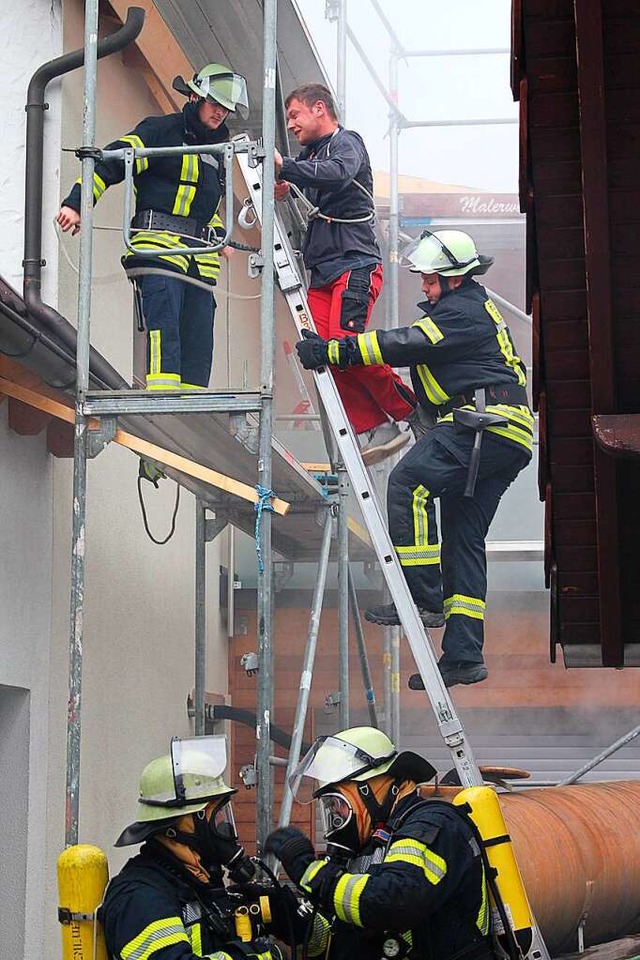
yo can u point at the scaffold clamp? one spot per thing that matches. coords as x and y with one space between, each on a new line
264 496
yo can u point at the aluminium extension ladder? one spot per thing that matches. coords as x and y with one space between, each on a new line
449 724
293 289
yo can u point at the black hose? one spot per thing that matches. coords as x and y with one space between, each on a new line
53 321
221 711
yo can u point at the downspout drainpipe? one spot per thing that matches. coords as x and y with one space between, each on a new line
53 321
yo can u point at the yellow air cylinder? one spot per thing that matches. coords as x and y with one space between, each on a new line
83 873
484 809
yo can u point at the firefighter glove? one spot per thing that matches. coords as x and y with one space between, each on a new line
312 351
315 352
283 907
148 470
293 849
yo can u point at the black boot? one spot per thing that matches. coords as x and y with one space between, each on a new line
387 616
462 672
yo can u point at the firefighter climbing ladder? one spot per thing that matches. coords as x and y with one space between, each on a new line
290 282
450 726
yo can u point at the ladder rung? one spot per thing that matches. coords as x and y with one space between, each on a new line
449 724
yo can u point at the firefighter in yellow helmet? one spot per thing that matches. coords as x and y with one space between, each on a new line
471 388
177 199
170 900
402 876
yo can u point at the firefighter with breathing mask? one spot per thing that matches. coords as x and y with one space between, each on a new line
402 876
170 900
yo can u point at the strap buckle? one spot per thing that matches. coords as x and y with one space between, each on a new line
67 916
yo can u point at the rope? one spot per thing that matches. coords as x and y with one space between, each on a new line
97 281
160 543
264 495
313 212
210 288
158 271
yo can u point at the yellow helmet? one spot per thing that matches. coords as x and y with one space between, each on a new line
358 753
182 782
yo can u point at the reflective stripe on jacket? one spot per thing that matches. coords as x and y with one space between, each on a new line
429 889
461 343
186 185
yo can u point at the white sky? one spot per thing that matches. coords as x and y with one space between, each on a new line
431 88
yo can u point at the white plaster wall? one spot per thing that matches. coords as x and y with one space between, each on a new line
30 33
139 607
25 605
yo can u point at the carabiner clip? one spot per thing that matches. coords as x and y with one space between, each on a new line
247 218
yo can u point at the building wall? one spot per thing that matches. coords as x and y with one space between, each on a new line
31 33
25 600
139 606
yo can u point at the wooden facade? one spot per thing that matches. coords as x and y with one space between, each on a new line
576 75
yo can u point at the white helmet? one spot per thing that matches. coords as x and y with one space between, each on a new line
221 85
358 753
449 253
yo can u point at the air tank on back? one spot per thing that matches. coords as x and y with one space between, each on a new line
578 850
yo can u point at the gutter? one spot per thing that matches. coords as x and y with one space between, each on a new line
52 321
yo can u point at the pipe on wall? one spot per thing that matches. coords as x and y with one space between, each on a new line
51 320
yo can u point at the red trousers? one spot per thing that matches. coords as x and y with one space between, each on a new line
371 395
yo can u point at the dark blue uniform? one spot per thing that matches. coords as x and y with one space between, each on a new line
459 345
151 908
188 189
424 884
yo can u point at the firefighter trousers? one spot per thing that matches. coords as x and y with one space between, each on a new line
371 395
452 577
178 318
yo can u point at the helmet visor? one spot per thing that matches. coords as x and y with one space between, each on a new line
434 256
227 89
336 812
194 758
223 822
332 760
408 251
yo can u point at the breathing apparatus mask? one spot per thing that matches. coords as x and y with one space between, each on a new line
357 775
190 781
215 839
339 826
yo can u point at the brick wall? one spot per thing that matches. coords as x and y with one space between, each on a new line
521 682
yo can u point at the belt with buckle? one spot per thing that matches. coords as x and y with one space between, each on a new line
169 223
507 392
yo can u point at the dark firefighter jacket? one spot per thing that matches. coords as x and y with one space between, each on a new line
188 186
459 344
428 889
151 908
326 171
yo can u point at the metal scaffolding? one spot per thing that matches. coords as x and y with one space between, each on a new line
110 404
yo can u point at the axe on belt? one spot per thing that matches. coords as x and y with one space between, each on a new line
477 420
